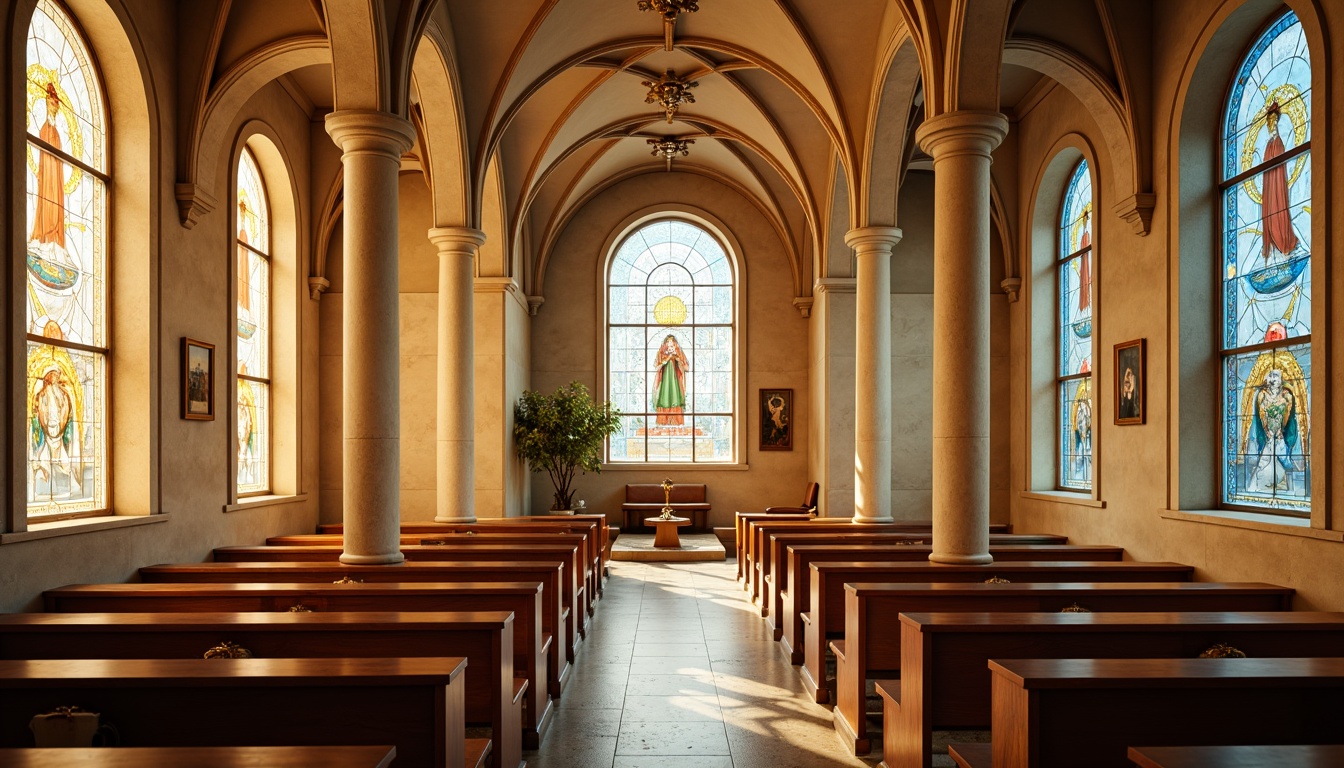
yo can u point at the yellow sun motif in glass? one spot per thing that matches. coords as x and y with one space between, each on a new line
669 310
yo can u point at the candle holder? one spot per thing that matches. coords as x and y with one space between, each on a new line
667 500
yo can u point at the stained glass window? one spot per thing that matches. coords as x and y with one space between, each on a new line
1074 390
670 346
1265 272
253 245
66 260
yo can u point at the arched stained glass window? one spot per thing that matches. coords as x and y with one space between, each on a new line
253 272
1074 334
670 346
1266 275
66 258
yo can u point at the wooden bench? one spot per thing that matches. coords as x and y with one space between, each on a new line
1258 756
522 598
493 696
554 615
945 681
414 703
202 757
466 551
740 522
647 499
828 581
795 599
1058 712
873 626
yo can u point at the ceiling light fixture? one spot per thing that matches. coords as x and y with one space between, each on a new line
669 92
669 147
669 9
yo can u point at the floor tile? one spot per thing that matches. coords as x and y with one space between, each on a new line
664 738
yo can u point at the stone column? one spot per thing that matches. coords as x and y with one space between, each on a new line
456 467
960 144
371 145
872 372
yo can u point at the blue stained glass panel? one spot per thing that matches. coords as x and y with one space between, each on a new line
1274 76
1267 429
1267 269
1076 432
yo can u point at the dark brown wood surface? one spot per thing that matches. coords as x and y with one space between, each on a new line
945 680
522 598
202 757
413 703
1058 712
484 638
1257 756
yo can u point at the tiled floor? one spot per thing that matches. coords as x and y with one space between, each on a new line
679 670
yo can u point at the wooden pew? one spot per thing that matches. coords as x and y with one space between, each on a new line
873 626
1258 756
828 616
758 550
554 616
583 565
202 757
493 696
740 521
522 598
1058 712
945 681
568 554
787 585
414 703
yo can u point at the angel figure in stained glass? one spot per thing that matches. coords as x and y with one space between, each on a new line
1082 432
1274 427
669 382
246 446
55 408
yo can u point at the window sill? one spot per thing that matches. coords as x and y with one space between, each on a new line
678 467
1287 526
1064 497
80 525
269 500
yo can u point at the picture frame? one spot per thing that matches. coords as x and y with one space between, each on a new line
1131 382
198 380
776 429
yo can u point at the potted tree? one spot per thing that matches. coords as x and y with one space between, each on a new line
561 434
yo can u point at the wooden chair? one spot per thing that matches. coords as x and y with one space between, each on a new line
808 507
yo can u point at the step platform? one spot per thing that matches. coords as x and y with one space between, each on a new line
696 547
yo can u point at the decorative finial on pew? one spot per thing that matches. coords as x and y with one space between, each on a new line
997 580
1075 608
228 650
348 580
667 499
1223 651
300 608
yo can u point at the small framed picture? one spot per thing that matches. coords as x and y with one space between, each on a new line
198 380
1131 382
776 420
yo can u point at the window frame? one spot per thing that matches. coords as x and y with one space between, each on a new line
267 255
1061 381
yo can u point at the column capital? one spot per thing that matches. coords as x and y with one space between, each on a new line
367 131
871 239
964 132
462 240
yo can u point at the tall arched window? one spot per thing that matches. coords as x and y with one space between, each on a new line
670 346
1073 376
1265 273
253 326
66 259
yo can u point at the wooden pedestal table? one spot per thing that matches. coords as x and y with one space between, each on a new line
666 535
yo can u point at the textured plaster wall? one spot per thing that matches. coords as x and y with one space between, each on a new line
1136 476
194 272
565 333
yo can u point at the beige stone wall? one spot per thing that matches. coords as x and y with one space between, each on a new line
565 335
188 483
1139 475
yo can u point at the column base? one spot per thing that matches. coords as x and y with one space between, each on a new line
951 559
454 518
865 520
391 558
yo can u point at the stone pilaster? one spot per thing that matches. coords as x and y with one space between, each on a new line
960 144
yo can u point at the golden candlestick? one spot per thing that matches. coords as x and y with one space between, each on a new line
667 500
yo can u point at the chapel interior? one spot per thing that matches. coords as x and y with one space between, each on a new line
976 268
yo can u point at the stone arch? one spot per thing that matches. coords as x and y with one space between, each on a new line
890 138
360 54
435 80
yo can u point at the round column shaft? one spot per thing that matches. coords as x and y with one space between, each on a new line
456 427
960 144
872 372
371 145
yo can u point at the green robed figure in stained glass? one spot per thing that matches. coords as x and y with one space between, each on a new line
669 384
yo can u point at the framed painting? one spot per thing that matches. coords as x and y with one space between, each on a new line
776 420
1131 382
198 380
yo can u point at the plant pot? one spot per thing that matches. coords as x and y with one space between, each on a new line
559 511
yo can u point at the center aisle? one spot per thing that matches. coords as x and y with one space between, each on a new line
679 671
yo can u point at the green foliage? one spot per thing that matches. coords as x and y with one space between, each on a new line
562 433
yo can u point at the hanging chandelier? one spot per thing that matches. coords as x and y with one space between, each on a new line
669 92
669 147
669 10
